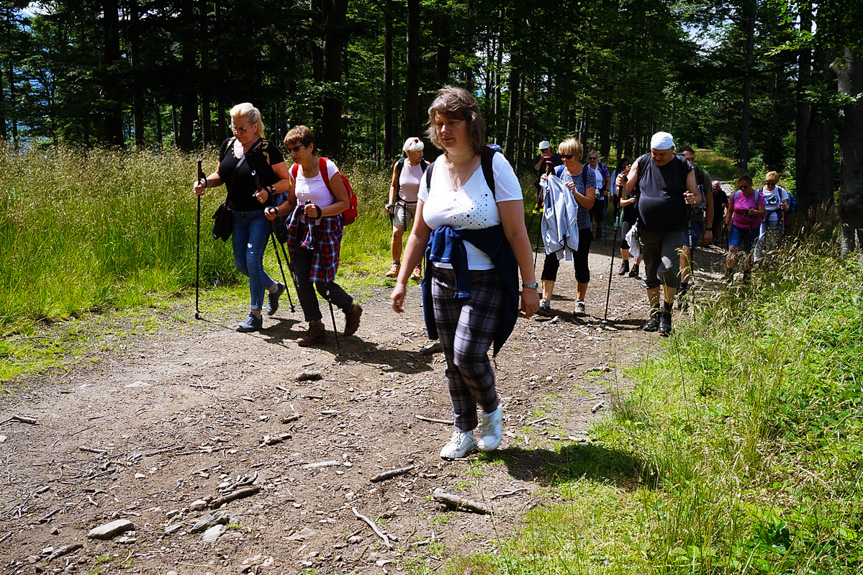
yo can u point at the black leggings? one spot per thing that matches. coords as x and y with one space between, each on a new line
579 260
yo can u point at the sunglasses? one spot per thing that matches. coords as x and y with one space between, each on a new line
593 158
744 187
295 149
239 129
566 156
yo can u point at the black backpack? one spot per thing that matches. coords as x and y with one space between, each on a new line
486 160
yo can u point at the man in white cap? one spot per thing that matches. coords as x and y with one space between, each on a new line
545 156
666 187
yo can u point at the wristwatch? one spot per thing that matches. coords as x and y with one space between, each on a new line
534 285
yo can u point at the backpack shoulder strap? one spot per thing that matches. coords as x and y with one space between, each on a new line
423 165
558 170
322 168
486 162
294 169
428 173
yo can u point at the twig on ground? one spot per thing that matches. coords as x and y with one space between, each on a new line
92 450
50 515
320 464
508 493
597 407
460 502
5 537
390 474
433 420
290 418
238 494
65 550
535 421
374 527
21 418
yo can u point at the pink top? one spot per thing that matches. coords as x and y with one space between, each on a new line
741 203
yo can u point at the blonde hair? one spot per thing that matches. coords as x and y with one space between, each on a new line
413 144
251 114
572 147
774 176
457 103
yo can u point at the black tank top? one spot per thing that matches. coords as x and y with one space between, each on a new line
661 205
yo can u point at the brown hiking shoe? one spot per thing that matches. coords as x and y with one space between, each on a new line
352 319
315 334
394 271
417 274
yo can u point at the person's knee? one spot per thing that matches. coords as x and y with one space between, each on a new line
472 366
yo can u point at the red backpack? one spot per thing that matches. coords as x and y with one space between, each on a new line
350 214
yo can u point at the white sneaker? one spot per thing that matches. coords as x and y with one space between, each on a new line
490 430
460 444
579 308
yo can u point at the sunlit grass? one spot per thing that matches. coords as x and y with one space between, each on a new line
738 451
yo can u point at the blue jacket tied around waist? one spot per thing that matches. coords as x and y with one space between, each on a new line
446 246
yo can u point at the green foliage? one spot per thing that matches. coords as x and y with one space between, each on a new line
738 451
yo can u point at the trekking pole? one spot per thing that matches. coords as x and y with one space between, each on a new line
613 243
329 298
201 178
273 238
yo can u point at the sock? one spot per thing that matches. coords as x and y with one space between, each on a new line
683 286
666 306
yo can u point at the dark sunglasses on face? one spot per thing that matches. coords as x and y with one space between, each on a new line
566 156
592 158
295 149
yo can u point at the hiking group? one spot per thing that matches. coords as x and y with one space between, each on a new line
465 213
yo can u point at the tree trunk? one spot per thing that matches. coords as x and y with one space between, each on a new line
747 87
510 147
442 27
389 147
111 55
412 87
804 73
849 72
819 158
3 134
334 18
188 97
204 85
137 84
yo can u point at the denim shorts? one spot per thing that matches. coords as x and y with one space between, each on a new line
743 238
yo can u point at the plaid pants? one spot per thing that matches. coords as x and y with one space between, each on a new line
466 330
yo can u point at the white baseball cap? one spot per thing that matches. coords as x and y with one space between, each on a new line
544 145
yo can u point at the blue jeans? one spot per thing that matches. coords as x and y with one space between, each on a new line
250 236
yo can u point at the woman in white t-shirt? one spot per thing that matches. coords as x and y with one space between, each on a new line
314 206
402 205
470 223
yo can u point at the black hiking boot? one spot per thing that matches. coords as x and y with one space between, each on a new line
635 272
652 323
665 323
624 267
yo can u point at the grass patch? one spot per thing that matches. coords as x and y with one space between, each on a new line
738 451
716 164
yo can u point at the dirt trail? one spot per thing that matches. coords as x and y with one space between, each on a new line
156 432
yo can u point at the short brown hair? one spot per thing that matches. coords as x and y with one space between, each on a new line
457 103
744 178
571 146
300 135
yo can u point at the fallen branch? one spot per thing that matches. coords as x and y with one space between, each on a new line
390 474
21 418
5 537
460 502
92 450
374 527
290 418
597 407
274 439
433 420
238 494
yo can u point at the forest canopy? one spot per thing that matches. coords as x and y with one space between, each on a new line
750 78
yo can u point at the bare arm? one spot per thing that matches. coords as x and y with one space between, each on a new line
394 184
417 242
692 195
512 218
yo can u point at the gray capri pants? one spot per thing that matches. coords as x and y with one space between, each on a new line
661 252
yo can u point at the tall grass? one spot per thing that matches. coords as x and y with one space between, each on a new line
86 230
746 437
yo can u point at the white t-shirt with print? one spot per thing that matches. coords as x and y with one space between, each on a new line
471 207
314 190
